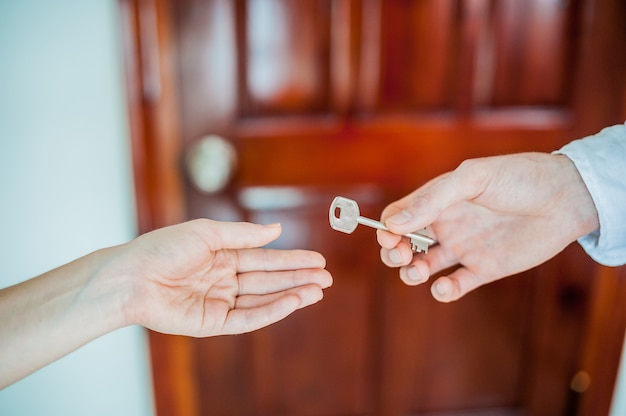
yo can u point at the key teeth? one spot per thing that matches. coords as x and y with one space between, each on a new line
420 241
416 248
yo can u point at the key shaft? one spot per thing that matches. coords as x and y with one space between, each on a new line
371 223
380 226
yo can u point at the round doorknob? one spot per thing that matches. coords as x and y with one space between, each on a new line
211 162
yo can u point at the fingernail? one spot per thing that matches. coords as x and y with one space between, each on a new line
413 274
400 218
440 288
395 256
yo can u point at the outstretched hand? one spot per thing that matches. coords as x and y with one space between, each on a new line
204 278
199 278
493 217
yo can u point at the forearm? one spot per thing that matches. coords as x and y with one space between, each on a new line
47 317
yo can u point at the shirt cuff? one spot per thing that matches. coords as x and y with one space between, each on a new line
601 162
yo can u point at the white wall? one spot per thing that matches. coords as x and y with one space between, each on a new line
65 188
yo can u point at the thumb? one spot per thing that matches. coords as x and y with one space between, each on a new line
236 235
422 207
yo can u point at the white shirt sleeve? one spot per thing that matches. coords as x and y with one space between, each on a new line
601 162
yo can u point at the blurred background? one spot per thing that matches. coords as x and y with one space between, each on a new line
117 117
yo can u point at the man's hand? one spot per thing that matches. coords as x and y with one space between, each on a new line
494 217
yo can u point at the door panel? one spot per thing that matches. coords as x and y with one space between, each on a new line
370 99
418 55
534 51
284 57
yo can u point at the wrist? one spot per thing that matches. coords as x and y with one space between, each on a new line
576 201
111 287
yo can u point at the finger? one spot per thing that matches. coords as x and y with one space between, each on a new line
439 258
415 273
308 294
235 235
398 256
273 260
240 321
260 282
423 207
387 239
244 320
454 286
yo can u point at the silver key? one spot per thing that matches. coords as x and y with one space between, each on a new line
344 216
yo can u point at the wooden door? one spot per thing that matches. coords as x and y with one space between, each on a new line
369 99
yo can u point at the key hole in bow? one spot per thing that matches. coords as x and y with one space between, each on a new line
337 213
